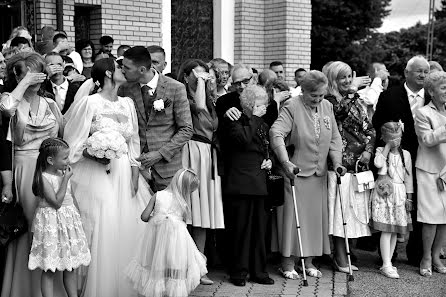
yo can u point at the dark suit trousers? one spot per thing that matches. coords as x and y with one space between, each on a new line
159 183
245 219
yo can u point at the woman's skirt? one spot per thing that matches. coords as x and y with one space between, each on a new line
206 202
312 208
431 202
354 204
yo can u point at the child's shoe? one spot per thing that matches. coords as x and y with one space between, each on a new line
389 271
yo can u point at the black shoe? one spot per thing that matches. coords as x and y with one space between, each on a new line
263 280
238 282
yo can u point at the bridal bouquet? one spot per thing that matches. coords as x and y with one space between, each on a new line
106 143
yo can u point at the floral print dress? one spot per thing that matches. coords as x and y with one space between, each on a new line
357 132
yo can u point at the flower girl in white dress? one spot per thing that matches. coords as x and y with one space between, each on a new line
167 261
59 241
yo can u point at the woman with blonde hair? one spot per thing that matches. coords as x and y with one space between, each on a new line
358 139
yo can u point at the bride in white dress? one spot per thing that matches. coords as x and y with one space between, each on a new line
110 204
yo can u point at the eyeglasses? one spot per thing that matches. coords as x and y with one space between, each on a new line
239 83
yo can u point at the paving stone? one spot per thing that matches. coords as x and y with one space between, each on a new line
324 280
324 293
340 290
290 290
269 289
305 290
202 294
263 295
206 288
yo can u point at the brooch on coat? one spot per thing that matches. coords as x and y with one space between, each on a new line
327 122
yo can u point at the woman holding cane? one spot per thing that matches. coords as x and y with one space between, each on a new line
314 136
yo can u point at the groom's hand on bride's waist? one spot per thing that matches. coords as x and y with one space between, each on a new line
150 158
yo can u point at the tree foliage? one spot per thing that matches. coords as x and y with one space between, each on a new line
338 35
339 27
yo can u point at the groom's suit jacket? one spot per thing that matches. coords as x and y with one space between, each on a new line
167 130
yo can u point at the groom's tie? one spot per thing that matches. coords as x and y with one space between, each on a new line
146 98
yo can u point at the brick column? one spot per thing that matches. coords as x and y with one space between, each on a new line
249 33
269 30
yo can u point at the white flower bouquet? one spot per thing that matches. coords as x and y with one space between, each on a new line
106 144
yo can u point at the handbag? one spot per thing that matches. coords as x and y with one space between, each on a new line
12 222
363 181
274 181
276 193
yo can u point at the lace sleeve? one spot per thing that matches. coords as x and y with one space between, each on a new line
77 127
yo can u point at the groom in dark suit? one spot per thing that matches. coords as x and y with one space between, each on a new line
164 118
400 103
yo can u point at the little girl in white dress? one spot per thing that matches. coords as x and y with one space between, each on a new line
167 261
59 241
392 197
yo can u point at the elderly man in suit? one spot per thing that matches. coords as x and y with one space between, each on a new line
401 103
164 118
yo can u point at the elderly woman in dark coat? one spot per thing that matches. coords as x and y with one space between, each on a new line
244 144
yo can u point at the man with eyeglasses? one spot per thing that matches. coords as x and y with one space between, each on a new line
228 105
401 103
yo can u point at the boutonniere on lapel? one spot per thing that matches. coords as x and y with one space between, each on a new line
160 104
327 122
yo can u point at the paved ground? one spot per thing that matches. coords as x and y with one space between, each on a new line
370 283
332 284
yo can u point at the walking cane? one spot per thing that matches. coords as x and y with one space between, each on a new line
305 282
344 224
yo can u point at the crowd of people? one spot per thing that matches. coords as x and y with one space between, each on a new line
124 174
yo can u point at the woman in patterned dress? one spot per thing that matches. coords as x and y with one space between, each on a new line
358 140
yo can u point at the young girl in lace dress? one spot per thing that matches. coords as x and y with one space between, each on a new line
392 196
59 241
167 261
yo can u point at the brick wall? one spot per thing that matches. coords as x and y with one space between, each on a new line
249 34
269 30
129 22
